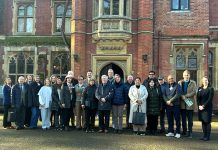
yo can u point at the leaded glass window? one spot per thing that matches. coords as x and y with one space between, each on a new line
25 18
59 14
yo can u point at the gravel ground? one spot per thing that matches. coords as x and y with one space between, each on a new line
67 140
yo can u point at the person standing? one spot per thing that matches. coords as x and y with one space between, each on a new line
171 96
7 102
20 101
79 111
89 76
90 104
53 80
118 104
29 81
33 102
151 75
138 95
110 73
162 85
128 84
56 106
205 107
68 98
188 93
45 100
104 94
153 106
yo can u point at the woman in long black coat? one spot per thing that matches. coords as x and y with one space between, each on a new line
204 100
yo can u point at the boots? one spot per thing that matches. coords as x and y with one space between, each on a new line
204 131
208 131
189 134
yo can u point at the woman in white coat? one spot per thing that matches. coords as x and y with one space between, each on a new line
45 100
138 95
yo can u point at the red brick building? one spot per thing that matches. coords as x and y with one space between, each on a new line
129 36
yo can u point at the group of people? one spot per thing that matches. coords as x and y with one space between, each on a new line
57 103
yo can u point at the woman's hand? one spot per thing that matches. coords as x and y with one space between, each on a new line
201 107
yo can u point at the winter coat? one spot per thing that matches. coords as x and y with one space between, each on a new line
6 95
205 97
120 96
172 93
33 100
16 95
67 97
137 94
191 92
89 99
104 91
145 83
56 101
154 100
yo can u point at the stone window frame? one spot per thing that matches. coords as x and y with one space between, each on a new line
189 51
14 75
60 56
211 64
55 4
180 5
16 5
98 8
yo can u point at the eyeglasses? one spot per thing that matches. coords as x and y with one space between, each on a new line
151 74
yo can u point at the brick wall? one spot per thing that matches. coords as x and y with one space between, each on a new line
43 17
213 12
1 16
193 22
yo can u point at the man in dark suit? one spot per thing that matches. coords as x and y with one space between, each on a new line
20 101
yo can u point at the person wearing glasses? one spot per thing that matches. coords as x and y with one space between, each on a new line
171 96
151 75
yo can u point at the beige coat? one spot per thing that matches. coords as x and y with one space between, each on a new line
134 95
191 93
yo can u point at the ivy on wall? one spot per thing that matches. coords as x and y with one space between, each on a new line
19 41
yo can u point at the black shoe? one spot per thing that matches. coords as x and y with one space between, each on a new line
18 128
162 131
184 133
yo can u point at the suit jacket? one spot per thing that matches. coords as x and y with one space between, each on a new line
16 95
56 101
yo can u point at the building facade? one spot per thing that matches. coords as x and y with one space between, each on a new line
129 36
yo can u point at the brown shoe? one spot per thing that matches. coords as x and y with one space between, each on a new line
105 131
100 131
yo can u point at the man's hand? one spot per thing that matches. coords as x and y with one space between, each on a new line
63 105
183 97
169 103
83 106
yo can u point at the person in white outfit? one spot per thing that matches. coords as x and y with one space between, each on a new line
45 99
138 95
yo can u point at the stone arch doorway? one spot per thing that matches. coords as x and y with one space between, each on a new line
116 68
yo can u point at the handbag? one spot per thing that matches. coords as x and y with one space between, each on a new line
11 116
188 102
138 117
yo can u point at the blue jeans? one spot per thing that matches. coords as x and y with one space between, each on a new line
34 117
173 112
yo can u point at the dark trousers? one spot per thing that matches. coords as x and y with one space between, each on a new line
173 112
28 115
162 118
183 118
187 114
5 117
72 117
20 116
90 118
206 127
104 118
152 122
58 118
66 117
